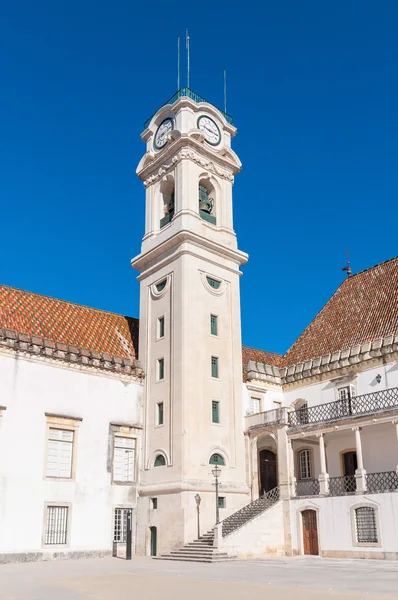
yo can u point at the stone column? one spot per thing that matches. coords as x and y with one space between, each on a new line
284 474
360 473
324 475
290 453
395 423
254 469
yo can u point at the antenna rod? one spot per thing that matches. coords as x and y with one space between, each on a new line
188 65
225 90
178 62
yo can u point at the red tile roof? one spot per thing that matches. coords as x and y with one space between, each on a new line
363 309
69 323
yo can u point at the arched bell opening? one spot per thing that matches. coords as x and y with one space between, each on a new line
206 195
168 204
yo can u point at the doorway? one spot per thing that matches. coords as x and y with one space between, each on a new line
154 536
350 465
310 532
268 478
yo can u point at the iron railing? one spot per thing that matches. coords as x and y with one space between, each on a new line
186 91
248 512
356 406
386 481
341 486
307 487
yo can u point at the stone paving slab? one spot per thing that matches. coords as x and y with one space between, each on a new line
146 579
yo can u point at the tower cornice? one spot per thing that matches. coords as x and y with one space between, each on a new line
152 167
171 244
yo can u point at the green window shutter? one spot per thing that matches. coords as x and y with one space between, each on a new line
216 459
215 413
161 368
221 502
214 366
213 325
161 327
160 413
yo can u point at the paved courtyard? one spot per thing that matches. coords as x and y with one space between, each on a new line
277 578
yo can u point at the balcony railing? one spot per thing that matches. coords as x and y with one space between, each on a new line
357 406
185 91
275 416
341 486
307 487
387 481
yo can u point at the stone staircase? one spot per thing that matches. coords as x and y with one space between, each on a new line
201 550
249 512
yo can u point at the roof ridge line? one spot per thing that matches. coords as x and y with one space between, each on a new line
383 262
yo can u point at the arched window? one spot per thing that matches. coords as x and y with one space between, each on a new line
305 464
206 204
301 408
160 461
366 527
216 459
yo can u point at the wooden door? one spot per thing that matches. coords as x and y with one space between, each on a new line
153 541
268 478
310 532
350 466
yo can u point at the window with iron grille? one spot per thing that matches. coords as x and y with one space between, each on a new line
366 527
214 366
215 414
56 532
305 464
123 459
59 453
213 325
120 524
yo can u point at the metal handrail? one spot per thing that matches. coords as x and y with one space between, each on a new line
186 91
249 512
356 406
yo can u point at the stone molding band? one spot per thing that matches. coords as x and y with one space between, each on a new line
37 346
323 364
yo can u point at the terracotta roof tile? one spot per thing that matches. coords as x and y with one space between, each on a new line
363 309
69 323
262 356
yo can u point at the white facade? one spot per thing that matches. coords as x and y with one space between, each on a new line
38 394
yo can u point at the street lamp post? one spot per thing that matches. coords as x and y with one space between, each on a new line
217 472
197 500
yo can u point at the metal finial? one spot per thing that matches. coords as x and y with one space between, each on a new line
347 268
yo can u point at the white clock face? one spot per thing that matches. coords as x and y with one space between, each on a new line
210 130
161 136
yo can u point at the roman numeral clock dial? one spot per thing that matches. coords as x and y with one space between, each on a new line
210 130
162 133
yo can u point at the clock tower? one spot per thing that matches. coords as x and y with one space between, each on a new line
190 330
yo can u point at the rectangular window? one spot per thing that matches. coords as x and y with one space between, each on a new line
214 366
120 524
59 453
213 325
160 413
123 459
366 525
56 525
221 501
255 405
277 404
154 502
160 369
161 327
305 464
215 415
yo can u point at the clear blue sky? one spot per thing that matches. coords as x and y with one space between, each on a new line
313 88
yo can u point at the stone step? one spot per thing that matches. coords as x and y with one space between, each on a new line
213 559
192 552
